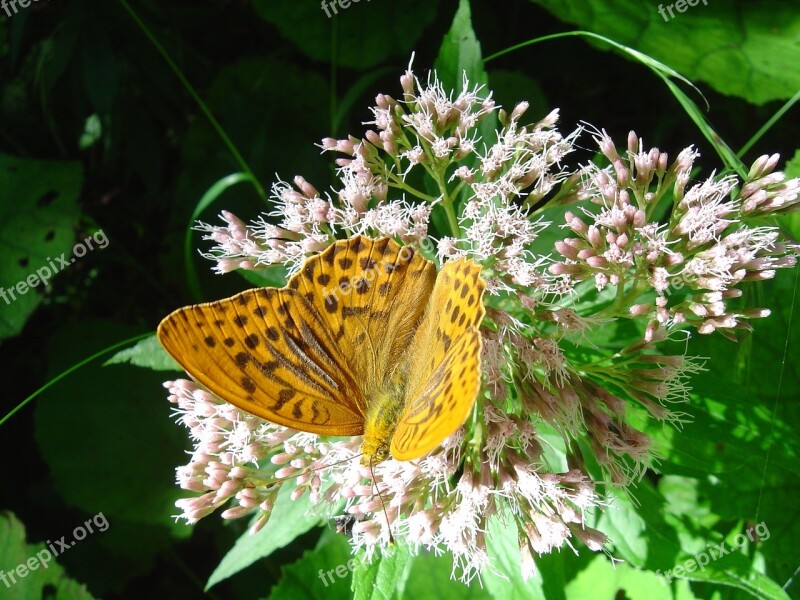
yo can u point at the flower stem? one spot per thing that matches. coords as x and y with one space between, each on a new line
447 203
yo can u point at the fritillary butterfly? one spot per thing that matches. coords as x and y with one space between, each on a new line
365 339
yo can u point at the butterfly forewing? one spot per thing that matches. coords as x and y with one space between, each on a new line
444 363
371 295
268 352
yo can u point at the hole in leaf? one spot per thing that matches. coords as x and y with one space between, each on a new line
50 235
23 262
46 199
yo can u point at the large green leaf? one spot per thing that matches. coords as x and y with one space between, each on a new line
506 580
601 580
742 446
147 353
107 436
460 52
378 579
670 529
745 48
430 578
359 36
324 573
289 519
38 212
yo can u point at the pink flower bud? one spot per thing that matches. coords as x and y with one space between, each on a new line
633 142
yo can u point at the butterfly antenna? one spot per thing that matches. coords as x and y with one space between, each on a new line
383 504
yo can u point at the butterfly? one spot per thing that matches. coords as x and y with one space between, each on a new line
365 339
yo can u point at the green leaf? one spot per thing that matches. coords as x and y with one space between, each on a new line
742 48
674 528
461 52
357 35
272 276
503 547
321 574
111 446
792 168
38 210
667 75
288 520
602 580
30 570
147 353
379 579
430 579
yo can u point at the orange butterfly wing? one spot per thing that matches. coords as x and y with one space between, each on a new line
310 356
267 352
444 374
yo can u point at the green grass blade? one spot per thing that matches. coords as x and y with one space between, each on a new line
214 192
73 368
195 96
666 73
764 128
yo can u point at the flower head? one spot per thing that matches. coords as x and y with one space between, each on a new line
543 376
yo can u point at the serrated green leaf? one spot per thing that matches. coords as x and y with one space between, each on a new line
743 48
289 519
30 570
379 579
38 210
321 574
460 52
147 353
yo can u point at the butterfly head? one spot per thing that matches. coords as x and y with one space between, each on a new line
374 452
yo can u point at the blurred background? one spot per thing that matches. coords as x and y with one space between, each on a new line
99 132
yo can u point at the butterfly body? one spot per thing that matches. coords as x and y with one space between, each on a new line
366 339
382 417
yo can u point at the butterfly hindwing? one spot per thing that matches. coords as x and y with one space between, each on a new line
444 404
267 352
444 362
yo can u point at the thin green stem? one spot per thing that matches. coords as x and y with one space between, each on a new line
764 128
398 183
196 97
73 368
447 204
